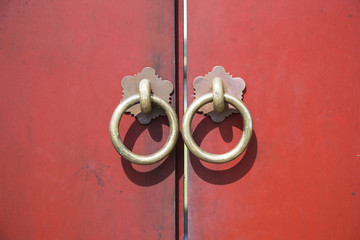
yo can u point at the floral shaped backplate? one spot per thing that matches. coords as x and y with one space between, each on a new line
232 85
159 87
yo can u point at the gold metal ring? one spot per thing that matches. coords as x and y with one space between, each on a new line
145 92
210 157
119 145
218 95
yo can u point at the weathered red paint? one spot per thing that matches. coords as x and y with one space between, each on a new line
299 178
61 64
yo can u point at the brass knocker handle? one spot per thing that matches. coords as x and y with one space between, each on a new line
119 145
210 157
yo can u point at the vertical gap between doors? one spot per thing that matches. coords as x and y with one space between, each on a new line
185 106
180 21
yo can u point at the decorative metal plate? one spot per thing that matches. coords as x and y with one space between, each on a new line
232 85
159 87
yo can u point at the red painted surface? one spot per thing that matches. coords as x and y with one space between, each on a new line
61 63
299 178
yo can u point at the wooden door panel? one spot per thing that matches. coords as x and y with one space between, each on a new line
299 177
61 65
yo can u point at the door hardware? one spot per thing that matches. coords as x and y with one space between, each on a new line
145 95
220 97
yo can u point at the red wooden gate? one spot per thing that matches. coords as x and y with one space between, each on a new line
61 65
299 178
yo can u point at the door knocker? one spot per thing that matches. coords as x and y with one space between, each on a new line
144 88
222 89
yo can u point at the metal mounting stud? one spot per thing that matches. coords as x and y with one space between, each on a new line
219 82
146 83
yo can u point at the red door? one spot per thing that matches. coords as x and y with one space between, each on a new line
299 177
61 65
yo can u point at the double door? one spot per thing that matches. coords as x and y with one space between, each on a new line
62 63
